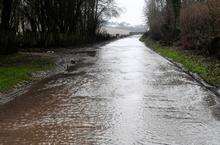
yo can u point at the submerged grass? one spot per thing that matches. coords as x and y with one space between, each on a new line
17 68
207 68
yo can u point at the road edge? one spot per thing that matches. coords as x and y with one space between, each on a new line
214 89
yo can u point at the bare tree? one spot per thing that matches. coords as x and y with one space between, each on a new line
55 22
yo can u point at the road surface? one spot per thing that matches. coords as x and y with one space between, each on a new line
122 93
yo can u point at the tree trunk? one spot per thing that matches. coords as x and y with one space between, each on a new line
6 14
7 35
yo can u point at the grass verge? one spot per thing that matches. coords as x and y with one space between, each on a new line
207 68
17 68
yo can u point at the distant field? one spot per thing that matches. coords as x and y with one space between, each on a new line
114 31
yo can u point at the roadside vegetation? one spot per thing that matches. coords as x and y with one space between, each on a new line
45 24
17 68
186 32
207 67
52 23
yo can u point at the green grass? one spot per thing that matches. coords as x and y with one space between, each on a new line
208 69
17 68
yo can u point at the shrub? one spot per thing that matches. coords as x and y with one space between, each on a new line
7 42
214 6
195 23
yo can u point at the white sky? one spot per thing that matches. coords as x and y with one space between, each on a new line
133 11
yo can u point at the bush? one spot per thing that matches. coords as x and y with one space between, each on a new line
7 42
31 39
196 30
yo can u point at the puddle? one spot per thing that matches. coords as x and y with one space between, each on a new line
126 95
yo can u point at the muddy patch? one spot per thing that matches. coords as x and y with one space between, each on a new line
90 53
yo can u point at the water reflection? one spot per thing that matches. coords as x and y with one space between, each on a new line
122 93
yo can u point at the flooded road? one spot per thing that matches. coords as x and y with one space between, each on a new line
119 94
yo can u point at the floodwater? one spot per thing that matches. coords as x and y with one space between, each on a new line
119 94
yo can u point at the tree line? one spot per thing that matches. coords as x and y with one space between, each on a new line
194 24
44 23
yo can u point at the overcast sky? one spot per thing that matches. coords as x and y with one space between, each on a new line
133 11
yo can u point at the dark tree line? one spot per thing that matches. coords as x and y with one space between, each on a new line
46 23
192 23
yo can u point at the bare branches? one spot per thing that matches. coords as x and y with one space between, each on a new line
50 22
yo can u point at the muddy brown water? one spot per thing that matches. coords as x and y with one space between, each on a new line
121 94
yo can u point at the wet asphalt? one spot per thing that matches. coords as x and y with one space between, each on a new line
121 93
